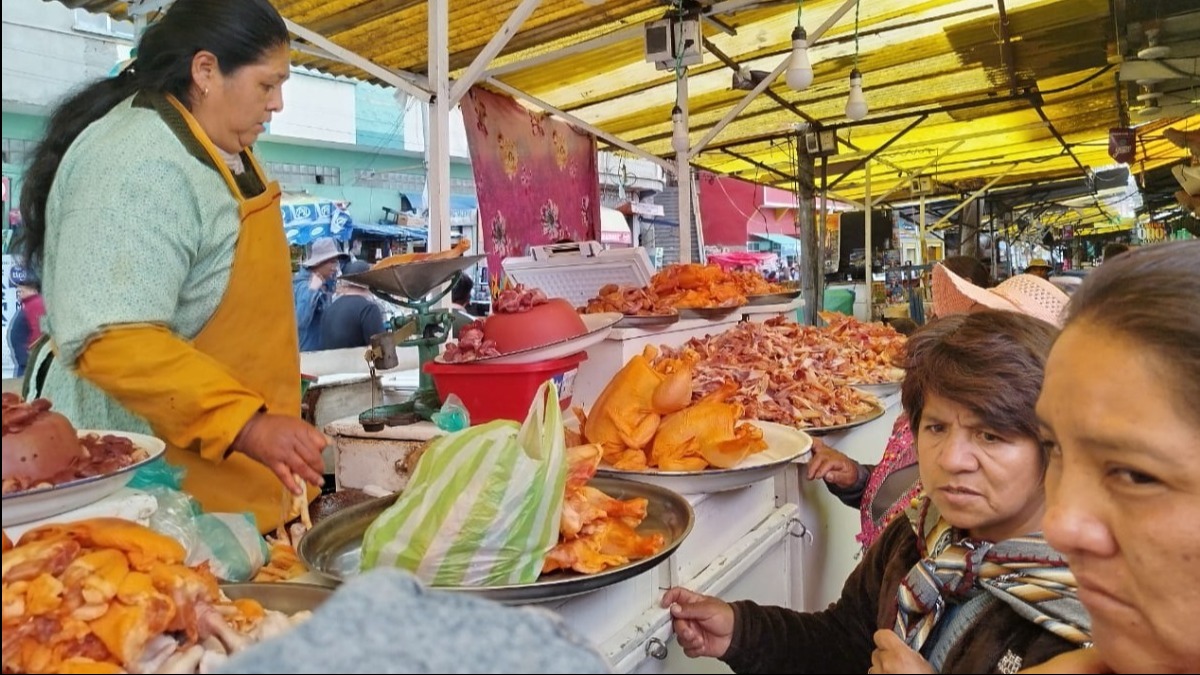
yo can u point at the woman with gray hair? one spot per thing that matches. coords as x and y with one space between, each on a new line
965 582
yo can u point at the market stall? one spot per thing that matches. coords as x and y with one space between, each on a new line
755 534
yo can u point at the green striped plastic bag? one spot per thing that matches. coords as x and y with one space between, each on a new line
483 505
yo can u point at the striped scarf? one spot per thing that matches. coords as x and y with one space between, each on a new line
1023 572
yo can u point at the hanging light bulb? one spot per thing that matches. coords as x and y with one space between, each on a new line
799 70
680 142
856 103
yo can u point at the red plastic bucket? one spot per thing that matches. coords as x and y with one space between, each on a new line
493 392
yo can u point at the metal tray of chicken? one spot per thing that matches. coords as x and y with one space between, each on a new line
875 414
333 548
707 312
647 320
781 298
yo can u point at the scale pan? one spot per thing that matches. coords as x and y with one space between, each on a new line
413 280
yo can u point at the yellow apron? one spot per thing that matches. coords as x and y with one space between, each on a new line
253 334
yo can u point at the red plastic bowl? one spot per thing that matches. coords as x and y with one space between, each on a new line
504 391
545 324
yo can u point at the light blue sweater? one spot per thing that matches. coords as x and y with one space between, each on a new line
139 231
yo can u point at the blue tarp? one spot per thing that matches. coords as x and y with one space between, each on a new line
307 219
397 231
787 245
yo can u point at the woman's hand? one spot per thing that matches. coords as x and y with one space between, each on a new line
315 281
703 624
287 446
832 466
892 655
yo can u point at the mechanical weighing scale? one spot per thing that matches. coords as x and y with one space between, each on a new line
412 286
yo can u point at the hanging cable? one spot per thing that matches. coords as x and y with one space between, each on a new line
856 6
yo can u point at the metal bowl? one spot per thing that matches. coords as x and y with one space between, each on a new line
333 548
281 596
706 312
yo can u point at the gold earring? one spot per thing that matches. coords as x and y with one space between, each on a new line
206 91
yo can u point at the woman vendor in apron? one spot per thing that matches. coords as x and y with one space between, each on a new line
165 269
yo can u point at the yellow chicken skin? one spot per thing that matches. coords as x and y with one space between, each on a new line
705 434
627 414
107 595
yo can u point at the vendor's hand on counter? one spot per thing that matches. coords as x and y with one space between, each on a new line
286 445
703 624
831 466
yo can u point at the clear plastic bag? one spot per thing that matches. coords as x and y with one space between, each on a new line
228 542
453 416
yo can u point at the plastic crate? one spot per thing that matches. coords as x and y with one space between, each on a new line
506 391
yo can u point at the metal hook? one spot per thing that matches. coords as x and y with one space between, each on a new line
797 528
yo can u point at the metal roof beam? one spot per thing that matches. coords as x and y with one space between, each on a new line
758 164
871 155
590 128
769 79
619 35
734 65
407 82
915 173
484 58
975 195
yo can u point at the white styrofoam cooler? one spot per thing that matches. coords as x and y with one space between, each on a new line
577 272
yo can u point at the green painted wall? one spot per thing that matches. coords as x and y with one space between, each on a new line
366 202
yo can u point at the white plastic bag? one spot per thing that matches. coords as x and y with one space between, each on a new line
483 505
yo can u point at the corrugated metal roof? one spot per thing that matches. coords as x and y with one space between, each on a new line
946 59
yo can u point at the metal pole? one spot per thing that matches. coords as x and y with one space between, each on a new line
683 174
437 139
921 233
867 273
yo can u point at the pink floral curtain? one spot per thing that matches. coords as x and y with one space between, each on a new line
535 177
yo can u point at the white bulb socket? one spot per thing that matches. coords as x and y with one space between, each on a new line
856 103
799 71
680 142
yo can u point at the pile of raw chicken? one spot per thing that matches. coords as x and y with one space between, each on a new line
696 286
111 596
646 417
597 531
627 300
793 374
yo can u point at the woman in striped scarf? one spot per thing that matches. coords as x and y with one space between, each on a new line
966 583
